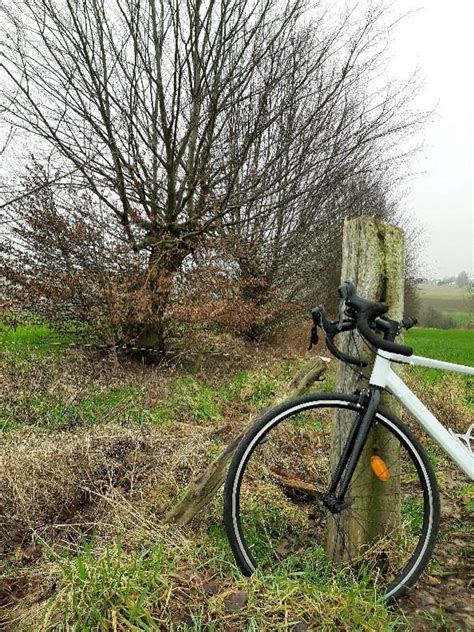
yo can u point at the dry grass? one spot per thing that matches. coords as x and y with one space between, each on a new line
83 510
61 482
98 451
82 504
446 398
59 491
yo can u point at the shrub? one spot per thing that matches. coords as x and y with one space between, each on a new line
431 317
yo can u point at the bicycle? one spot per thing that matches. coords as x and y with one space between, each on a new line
294 496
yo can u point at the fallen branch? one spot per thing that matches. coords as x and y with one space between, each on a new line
200 491
294 486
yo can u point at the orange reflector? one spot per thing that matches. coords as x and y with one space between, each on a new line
379 468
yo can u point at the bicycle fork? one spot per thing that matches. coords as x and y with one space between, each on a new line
335 501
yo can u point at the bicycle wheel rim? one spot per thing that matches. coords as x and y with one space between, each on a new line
418 500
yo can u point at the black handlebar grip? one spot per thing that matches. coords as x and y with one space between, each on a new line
409 322
363 326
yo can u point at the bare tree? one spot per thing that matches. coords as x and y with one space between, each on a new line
186 118
292 260
336 151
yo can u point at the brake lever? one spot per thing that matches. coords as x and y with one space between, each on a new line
314 338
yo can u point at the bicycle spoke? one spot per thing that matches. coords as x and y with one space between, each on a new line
283 512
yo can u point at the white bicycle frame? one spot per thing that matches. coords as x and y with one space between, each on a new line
384 377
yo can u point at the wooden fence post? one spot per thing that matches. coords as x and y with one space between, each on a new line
373 259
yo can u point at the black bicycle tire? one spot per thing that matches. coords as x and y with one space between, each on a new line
414 568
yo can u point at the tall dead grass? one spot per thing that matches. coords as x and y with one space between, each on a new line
446 398
59 486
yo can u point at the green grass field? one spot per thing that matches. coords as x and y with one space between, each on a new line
451 345
31 335
451 301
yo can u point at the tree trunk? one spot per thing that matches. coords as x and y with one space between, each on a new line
255 288
373 259
201 491
163 265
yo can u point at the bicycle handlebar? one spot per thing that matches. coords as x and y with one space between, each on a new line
364 315
368 317
331 329
363 320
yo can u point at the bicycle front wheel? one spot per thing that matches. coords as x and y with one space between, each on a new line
273 503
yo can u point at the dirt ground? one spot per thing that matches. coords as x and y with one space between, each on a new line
443 598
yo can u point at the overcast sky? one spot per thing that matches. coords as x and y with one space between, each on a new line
438 39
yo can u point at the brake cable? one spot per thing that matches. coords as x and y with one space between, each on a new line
359 373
